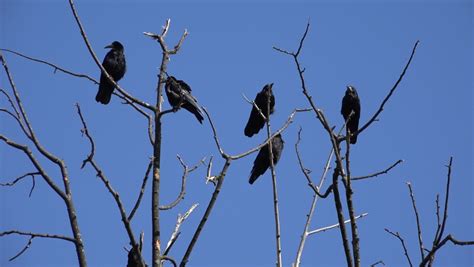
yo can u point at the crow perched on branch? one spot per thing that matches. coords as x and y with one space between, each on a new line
114 64
351 103
256 121
179 95
262 161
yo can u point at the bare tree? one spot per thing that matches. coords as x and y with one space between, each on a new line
153 113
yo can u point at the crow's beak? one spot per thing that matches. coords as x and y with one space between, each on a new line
109 46
349 88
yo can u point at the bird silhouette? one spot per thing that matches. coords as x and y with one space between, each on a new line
179 95
262 161
256 121
114 64
351 103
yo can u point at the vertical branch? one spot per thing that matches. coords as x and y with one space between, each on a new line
340 217
309 216
155 197
446 200
350 205
210 206
274 185
418 224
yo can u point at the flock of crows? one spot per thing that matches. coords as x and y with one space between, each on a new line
179 96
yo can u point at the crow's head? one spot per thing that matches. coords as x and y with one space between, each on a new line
116 45
268 88
351 91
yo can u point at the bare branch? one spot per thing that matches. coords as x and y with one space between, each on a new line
176 232
324 229
377 113
442 243
306 172
31 234
142 191
17 117
94 56
274 185
377 263
186 171
279 131
350 204
402 241
32 174
340 216
446 201
418 224
54 66
109 187
313 204
216 138
210 206
209 177
17 113
32 135
302 40
377 173
27 246
35 162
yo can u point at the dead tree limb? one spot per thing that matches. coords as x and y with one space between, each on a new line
66 194
90 159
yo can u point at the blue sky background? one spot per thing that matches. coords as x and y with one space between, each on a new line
229 52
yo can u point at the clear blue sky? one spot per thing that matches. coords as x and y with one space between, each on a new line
229 52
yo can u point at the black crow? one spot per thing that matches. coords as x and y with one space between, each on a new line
351 103
179 95
256 122
114 64
262 161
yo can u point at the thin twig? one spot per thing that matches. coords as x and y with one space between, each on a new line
186 171
103 178
377 263
31 234
177 232
142 191
54 66
309 216
267 141
418 224
377 113
27 246
306 172
324 229
30 240
402 241
210 206
446 201
377 173
32 174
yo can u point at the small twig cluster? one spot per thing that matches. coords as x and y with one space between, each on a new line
438 241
